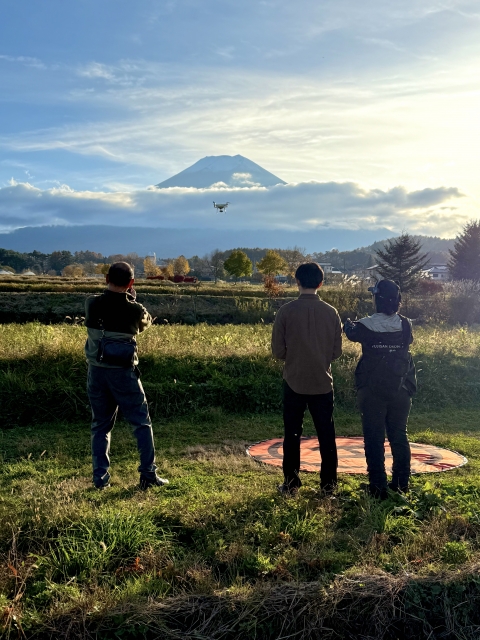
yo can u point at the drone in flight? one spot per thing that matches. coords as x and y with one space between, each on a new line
221 207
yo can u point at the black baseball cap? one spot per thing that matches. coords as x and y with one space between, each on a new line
385 289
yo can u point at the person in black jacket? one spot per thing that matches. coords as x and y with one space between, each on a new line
113 319
386 381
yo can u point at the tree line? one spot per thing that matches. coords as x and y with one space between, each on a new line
401 259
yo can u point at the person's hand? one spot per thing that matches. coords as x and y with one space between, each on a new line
132 292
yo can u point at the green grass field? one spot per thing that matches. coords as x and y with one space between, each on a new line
218 553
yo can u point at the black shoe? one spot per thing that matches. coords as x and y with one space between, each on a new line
145 482
285 490
102 487
398 488
375 492
328 489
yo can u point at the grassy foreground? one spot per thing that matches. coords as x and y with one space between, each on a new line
218 553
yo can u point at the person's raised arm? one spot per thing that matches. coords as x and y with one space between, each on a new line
279 345
353 330
145 321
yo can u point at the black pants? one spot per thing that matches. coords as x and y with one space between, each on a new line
321 410
390 415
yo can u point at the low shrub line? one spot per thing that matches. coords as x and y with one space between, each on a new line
54 308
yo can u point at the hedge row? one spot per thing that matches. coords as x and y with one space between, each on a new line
60 307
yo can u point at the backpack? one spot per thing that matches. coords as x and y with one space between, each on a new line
390 369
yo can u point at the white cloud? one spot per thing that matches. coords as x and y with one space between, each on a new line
400 127
96 70
292 207
25 60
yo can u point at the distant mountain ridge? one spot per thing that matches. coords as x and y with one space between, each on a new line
173 242
222 171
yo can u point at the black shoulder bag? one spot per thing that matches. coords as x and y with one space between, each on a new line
119 352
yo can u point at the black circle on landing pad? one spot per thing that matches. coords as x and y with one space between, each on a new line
426 458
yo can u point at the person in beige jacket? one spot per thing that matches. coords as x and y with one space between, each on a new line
307 335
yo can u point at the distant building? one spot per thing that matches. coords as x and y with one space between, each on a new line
371 273
152 257
326 266
438 272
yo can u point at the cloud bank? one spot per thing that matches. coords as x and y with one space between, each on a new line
303 206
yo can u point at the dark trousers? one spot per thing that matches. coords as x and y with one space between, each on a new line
390 415
321 410
108 390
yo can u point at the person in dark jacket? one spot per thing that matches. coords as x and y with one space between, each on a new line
386 381
113 376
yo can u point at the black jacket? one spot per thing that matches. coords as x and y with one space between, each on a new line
116 312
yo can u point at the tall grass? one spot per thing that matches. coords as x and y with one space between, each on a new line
188 368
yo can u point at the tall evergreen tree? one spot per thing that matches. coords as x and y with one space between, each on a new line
401 260
464 263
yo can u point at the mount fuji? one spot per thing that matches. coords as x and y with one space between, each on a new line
222 171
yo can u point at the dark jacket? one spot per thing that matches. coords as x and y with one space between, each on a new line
118 315
116 312
375 345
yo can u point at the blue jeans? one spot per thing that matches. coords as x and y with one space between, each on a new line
108 390
390 415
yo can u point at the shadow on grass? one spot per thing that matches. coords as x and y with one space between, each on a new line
42 389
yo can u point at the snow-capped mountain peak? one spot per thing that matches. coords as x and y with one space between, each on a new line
225 171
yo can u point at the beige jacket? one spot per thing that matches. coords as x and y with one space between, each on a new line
307 334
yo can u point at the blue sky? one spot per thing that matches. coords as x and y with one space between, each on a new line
99 100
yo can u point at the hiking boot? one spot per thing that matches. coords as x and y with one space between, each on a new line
146 482
288 492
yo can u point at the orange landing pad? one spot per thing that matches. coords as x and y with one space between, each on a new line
351 457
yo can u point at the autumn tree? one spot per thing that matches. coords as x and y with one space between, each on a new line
238 265
272 264
150 267
464 263
102 268
401 260
167 270
181 266
89 268
74 270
